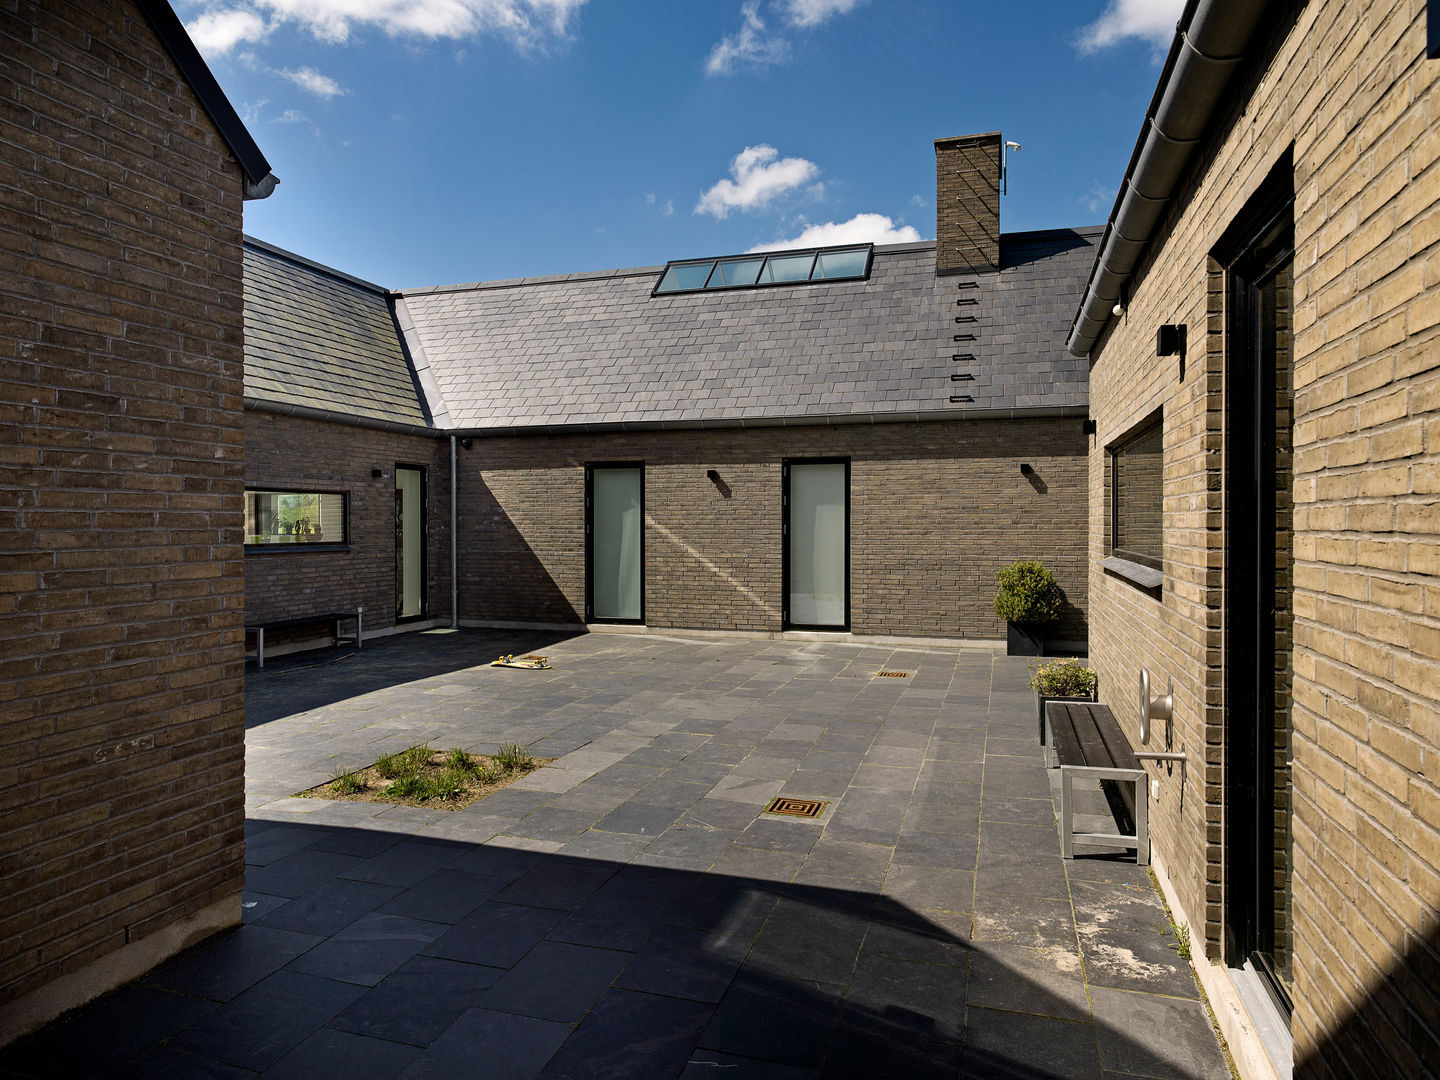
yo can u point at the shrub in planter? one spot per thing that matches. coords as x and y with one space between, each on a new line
1060 680
1028 597
1063 678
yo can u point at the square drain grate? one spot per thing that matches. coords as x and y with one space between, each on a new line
783 804
892 674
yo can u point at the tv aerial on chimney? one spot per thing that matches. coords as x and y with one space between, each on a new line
1010 144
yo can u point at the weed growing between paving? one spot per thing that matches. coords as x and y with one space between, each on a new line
423 776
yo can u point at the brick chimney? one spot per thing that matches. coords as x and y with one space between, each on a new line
967 203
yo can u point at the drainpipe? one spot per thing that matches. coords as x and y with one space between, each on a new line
454 540
1211 41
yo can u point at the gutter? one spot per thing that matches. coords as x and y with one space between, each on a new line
1211 40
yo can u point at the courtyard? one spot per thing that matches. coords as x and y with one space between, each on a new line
631 910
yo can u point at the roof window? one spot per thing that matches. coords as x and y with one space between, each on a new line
780 268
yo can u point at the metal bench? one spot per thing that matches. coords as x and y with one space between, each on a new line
335 618
1086 743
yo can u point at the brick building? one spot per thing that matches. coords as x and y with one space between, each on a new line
849 440
121 633
1263 324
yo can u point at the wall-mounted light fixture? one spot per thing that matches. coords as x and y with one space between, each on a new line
376 474
1170 340
1026 470
467 442
1088 426
713 475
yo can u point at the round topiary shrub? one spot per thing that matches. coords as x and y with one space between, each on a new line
1028 593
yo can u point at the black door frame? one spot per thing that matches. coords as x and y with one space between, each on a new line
590 469
785 543
424 545
1259 245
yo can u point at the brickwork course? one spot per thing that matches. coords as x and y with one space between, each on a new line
121 451
1345 87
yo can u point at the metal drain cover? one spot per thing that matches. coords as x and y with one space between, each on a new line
892 674
783 804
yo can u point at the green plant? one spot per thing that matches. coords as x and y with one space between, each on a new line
460 761
1180 932
412 786
451 784
1062 678
347 781
514 758
1028 593
389 766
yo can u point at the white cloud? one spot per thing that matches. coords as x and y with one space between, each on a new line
217 32
525 23
1099 197
760 174
750 47
669 210
307 78
815 12
861 229
1150 20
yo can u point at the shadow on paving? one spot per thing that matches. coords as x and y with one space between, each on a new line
335 674
372 953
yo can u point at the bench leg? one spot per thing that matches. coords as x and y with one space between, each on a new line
1067 815
260 647
1142 820
359 628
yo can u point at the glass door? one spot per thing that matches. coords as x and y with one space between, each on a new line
615 542
817 544
1259 615
409 542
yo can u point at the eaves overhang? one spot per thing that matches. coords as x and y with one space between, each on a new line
1211 39
259 180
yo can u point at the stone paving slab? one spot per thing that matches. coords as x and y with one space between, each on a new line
631 911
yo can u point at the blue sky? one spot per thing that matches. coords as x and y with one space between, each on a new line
423 142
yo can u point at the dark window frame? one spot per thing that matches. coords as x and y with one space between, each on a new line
1141 568
424 472
590 469
272 548
786 623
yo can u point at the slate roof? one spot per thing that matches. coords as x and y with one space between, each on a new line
597 350
322 340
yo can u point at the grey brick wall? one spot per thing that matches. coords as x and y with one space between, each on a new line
121 453
936 510
291 453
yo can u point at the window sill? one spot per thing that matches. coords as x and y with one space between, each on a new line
292 549
1142 576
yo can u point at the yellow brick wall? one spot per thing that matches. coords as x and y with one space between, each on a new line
1349 87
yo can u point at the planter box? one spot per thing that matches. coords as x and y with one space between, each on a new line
1024 639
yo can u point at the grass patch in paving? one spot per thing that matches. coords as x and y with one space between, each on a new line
422 776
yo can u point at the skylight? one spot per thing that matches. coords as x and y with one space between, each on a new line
781 268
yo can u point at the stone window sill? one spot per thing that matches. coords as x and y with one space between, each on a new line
1142 576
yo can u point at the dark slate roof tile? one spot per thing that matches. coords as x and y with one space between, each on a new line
318 338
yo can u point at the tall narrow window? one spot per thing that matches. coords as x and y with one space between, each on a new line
1258 589
616 542
1137 493
409 542
817 544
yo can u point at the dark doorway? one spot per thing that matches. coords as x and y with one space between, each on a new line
1258 590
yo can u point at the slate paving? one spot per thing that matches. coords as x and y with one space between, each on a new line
630 911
